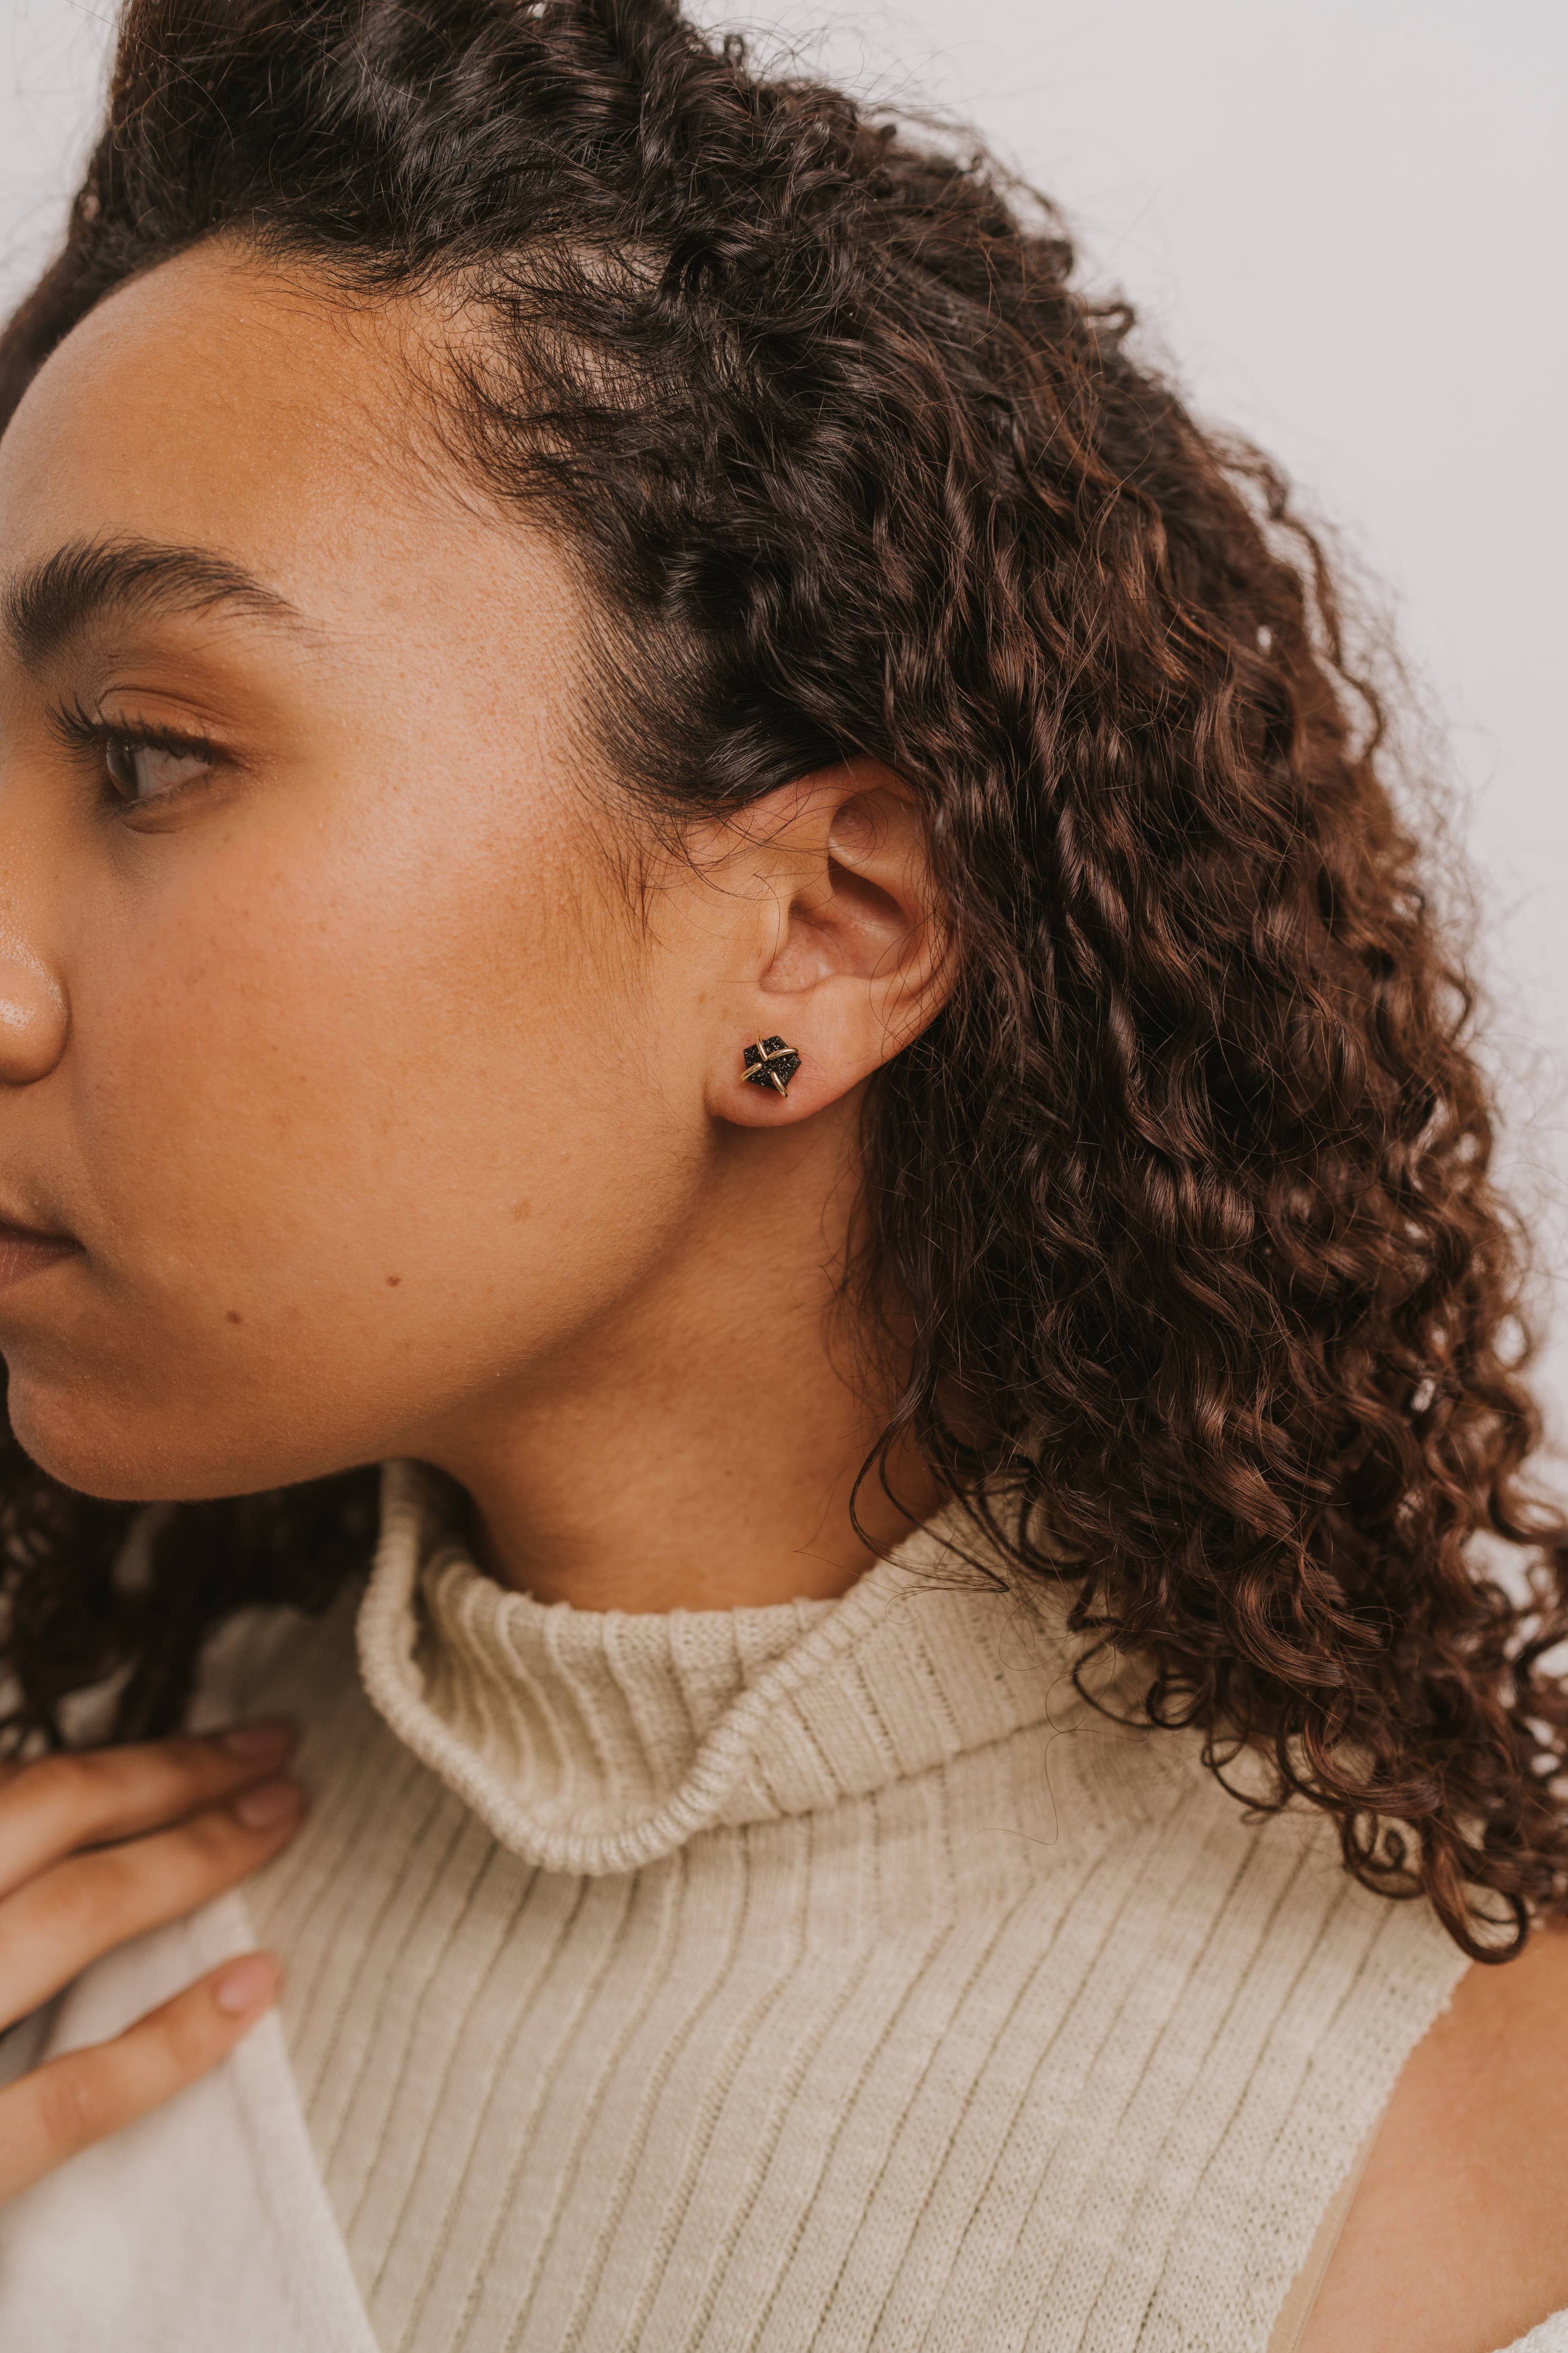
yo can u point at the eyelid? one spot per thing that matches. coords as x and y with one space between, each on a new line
79 728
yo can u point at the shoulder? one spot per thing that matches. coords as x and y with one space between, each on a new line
1456 2241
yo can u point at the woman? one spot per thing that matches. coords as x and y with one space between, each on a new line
707 956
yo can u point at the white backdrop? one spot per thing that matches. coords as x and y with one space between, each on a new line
1343 221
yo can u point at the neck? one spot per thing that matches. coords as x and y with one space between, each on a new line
699 1449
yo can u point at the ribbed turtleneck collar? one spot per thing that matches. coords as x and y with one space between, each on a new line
596 1741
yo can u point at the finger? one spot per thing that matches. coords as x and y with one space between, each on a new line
51 1808
80 1909
82 2097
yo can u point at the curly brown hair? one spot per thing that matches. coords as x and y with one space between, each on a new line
1215 1309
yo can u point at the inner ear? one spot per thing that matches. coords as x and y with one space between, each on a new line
860 915
856 899
847 925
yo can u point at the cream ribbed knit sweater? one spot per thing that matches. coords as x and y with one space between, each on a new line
814 1977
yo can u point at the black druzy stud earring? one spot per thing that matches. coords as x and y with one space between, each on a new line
771 1063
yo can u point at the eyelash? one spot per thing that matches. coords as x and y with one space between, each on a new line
81 733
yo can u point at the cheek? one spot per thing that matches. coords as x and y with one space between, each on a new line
351 1153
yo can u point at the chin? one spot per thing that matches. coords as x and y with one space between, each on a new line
193 1448
70 1443
119 1456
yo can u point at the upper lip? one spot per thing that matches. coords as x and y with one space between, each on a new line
34 1233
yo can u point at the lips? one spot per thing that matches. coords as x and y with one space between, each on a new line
25 1250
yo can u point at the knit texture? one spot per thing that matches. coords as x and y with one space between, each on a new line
824 1977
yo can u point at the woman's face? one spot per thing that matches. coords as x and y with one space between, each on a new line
327 1032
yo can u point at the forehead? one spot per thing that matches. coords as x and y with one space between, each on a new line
220 402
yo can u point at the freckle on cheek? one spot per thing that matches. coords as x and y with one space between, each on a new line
393 1281
521 1210
235 1316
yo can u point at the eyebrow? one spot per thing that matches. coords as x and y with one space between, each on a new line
42 608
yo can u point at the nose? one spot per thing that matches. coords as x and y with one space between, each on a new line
34 1018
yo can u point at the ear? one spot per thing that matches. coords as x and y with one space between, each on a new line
838 947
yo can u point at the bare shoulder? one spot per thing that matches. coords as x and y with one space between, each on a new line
1458 2239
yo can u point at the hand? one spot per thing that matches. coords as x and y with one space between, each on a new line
94 1849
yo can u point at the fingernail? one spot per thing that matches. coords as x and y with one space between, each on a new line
245 1983
272 1803
270 1736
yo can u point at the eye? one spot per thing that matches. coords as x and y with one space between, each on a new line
142 770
